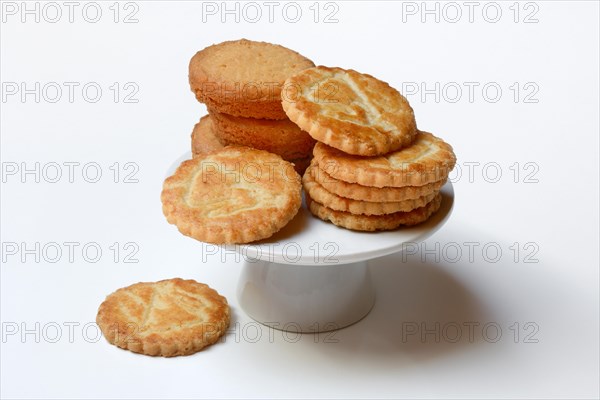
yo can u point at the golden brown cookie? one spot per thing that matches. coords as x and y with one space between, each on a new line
353 112
204 139
429 159
372 223
281 137
330 200
244 78
173 317
367 193
233 195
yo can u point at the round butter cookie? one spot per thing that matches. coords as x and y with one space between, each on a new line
244 78
204 139
233 195
367 193
353 112
281 137
173 317
330 200
371 223
429 159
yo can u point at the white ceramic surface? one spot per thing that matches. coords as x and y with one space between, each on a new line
306 298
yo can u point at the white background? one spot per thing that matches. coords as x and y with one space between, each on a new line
550 209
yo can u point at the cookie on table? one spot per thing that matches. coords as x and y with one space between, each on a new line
429 159
353 112
172 317
243 77
375 194
371 223
330 200
281 137
233 195
204 139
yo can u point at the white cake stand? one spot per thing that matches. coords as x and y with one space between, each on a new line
313 276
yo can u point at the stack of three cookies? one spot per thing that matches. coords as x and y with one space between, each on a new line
372 168
241 82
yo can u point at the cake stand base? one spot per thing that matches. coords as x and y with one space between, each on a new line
306 298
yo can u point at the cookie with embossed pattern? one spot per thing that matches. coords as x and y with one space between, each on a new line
172 317
428 159
233 195
353 112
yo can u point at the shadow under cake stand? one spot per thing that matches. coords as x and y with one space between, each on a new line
313 276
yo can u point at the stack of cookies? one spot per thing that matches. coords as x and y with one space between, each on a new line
366 166
372 168
241 83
